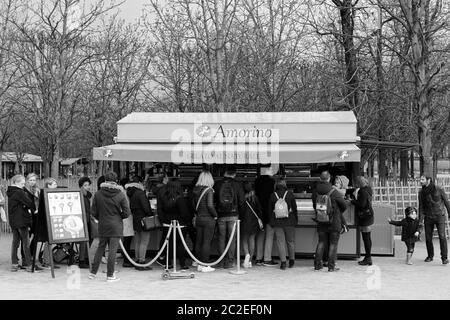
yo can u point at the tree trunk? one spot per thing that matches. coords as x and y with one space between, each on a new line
411 161
394 164
55 161
404 166
435 165
382 167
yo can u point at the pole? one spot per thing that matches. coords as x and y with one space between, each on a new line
238 251
174 224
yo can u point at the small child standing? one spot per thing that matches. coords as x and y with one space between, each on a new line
411 230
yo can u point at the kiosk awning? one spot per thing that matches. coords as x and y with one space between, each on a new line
229 153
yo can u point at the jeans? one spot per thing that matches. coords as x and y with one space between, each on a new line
225 226
260 237
142 238
21 235
333 239
205 233
410 246
248 244
285 236
268 244
113 244
429 228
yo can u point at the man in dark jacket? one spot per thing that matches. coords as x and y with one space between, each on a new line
230 198
432 200
20 207
264 186
109 207
85 186
328 232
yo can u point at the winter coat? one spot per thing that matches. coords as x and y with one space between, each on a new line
409 228
34 195
109 206
432 200
249 223
206 206
338 203
176 210
139 204
40 227
20 207
87 208
364 202
292 219
264 187
239 193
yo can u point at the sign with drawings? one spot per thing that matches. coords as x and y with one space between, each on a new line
66 218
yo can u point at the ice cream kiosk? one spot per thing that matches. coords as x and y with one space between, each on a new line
296 144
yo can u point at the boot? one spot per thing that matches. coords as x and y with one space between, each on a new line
408 258
367 261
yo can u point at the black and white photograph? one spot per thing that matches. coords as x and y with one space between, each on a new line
225 156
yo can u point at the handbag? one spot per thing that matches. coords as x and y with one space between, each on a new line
194 219
260 223
150 223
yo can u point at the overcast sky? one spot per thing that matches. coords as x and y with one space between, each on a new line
131 10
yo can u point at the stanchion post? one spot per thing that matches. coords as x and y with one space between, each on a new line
238 250
174 223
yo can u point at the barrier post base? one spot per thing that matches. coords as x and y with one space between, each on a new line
238 272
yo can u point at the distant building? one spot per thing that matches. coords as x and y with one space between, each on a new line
22 162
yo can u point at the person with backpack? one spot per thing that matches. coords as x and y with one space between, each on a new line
264 186
329 205
251 223
205 218
283 219
171 205
364 216
230 200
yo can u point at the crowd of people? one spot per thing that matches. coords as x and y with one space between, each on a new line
266 208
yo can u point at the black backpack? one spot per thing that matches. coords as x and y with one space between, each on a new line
227 198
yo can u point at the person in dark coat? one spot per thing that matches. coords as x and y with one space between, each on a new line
206 217
171 205
432 200
20 209
284 228
109 206
411 230
329 233
40 228
251 223
140 208
85 186
364 216
264 186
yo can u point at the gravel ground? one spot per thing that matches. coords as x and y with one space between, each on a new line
388 279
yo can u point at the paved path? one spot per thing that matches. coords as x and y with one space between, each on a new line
389 279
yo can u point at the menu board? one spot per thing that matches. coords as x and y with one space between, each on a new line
66 219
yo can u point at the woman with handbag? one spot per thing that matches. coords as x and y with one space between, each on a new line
364 215
140 208
205 218
251 223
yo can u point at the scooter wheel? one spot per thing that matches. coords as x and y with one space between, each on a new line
165 276
192 275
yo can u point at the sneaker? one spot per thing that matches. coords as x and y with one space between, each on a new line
246 263
45 266
333 269
194 263
112 279
445 261
259 262
291 263
318 268
207 269
199 268
283 265
270 263
92 276
428 259
15 268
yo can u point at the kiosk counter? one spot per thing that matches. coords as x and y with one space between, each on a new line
298 144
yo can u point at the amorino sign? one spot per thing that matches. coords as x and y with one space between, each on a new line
293 127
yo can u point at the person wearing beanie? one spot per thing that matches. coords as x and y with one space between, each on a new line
411 229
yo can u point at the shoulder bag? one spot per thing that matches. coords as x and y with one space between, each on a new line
198 204
260 223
